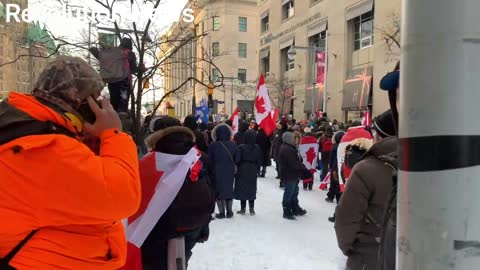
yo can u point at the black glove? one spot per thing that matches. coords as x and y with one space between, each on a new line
204 234
306 174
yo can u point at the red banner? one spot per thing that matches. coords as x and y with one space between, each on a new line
321 59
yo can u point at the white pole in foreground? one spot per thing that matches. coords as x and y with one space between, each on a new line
439 185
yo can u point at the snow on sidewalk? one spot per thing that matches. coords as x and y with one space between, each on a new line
267 241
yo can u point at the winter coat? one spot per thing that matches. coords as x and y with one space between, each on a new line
290 164
264 144
360 211
248 165
388 241
191 123
333 162
57 185
192 207
224 166
277 143
239 137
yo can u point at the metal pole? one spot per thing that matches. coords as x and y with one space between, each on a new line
232 99
224 100
314 79
324 105
176 254
438 203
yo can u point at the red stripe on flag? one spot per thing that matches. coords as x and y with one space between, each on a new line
134 258
150 178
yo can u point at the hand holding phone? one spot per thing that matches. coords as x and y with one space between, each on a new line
106 117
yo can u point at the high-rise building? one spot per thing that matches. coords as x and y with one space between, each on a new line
346 36
24 51
225 45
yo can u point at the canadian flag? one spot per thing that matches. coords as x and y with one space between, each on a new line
367 119
162 175
309 152
325 182
274 115
263 108
352 134
234 119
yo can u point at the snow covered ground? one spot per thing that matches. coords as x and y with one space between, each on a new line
267 241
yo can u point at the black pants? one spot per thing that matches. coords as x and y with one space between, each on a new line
120 95
334 190
324 169
251 204
308 185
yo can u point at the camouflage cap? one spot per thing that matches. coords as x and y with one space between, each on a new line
70 79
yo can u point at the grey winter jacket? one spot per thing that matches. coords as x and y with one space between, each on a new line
360 211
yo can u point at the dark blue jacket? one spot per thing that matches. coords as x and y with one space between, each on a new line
223 155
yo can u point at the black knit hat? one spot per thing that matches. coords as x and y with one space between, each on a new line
384 124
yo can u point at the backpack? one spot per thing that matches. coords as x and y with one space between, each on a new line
13 132
353 154
114 65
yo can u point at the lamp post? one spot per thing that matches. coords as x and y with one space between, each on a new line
232 79
292 52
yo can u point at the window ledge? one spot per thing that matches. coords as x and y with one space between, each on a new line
315 3
288 19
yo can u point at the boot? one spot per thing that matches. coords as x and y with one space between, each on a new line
221 210
298 211
332 219
229 209
329 200
305 186
241 212
252 212
287 214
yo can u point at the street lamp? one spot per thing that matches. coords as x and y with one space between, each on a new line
292 52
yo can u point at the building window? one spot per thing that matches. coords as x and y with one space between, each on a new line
242 24
215 75
318 40
242 50
287 63
363 31
215 49
216 23
265 65
288 10
265 24
242 75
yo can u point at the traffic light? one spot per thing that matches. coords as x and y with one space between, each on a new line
146 84
210 95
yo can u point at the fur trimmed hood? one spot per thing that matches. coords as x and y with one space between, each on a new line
362 143
222 132
152 140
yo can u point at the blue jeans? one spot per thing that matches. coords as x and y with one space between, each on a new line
290 196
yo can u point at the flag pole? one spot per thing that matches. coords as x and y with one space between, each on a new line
438 203
324 105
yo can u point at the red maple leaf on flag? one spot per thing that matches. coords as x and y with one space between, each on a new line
311 155
260 105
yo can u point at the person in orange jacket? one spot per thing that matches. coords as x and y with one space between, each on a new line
61 205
